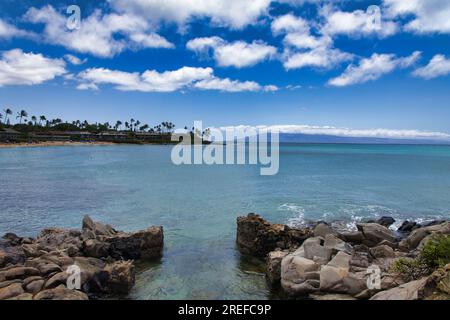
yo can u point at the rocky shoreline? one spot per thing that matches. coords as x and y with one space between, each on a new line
101 257
322 263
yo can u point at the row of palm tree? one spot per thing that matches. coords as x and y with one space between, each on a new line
132 125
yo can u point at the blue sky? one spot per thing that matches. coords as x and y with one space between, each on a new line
307 63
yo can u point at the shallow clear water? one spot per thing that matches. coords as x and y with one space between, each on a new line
132 187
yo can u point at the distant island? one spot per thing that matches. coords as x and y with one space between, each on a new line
21 129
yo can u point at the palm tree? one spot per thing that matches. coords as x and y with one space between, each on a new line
1 117
34 119
131 124
118 124
8 112
127 125
42 119
21 114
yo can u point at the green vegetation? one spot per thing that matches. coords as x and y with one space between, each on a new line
435 254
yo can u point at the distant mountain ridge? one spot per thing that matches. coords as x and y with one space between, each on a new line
307 138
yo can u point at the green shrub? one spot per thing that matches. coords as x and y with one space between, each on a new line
436 252
410 269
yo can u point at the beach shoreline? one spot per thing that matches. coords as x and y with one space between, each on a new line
54 144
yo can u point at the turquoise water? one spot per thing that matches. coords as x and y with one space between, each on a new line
132 187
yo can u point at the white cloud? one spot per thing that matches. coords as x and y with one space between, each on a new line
237 54
289 23
19 68
168 81
372 68
232 13
429 15
302 49
151 40
100 35
357 22
228 85
347 132
437 67
8 31
74 60
322 57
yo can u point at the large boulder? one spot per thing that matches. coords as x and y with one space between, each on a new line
257 237
11 291
11 252
299 275
416 237
121 277
375 233
145 244
273 266
382 251
333 274
408 226
97 228
323 229
413 290
53 239
439 283
386 221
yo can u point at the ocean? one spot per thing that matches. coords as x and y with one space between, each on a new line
132 187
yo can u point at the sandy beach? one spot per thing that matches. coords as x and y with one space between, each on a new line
53 144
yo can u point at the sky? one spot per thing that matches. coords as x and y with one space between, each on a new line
352 68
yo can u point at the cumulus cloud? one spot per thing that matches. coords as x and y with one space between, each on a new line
372 68
289 23
321 57
357 23
237 54
168 81
231 13
8 31
438 66
20 68
302 48
99 34
428 15
347 132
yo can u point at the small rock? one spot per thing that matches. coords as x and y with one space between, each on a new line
353 237
56 280
21 272
408 226
34 286
60 293
11 291
386 221
23 296
382 251
323 229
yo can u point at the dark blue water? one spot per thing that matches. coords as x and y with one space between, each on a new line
132 187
